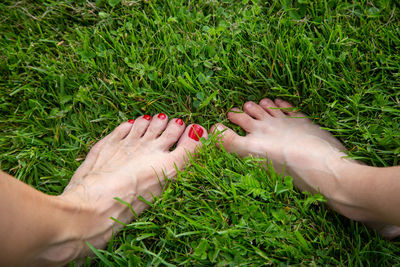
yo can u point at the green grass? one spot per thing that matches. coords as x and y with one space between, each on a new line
70 71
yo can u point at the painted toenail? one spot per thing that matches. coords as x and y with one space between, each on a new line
147 117
131 121
179 121
196 132
162 116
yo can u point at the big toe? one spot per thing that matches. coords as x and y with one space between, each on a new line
188 143
231 141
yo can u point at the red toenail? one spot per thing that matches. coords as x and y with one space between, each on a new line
162 116
147 117
179 121
131 121
195 132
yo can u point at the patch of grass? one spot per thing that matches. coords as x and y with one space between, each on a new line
70 71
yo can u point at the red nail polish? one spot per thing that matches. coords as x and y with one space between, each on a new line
196 132
162 116
147 117
179 121
131 121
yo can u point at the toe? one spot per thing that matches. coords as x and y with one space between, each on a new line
189 141
90 159
139 127
120 132
157 125
271 108
242 119
255 111
288 108
171 135
231 141
116 135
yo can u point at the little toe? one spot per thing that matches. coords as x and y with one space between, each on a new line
139 128
255 111
189 141
171 135
269 105
288 108
231 141
90 159
157 125
242 119
120 132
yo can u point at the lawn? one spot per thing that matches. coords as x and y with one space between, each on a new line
71 71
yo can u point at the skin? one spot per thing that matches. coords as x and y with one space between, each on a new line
134 160
317 162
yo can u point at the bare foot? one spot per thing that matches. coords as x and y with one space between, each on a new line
296 146
286 138
130 162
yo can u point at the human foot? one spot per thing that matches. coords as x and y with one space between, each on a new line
287 138
130 162
312 156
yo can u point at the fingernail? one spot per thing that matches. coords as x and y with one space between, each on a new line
131 121
162 116
195 132
179 121
147 117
